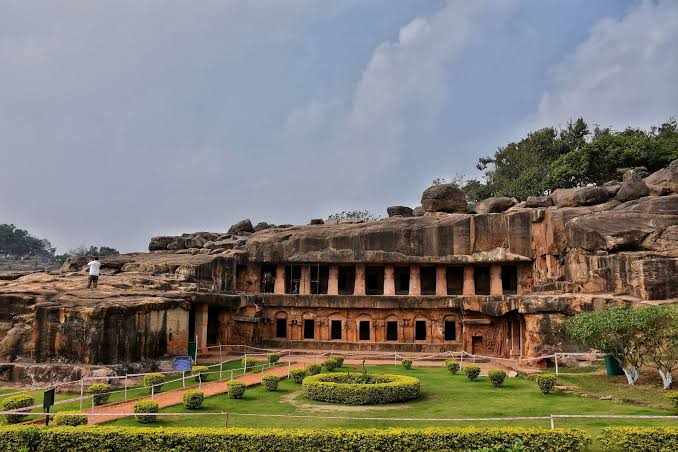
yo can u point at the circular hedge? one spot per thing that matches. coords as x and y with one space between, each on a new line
361 390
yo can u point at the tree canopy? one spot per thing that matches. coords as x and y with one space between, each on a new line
19 242
574 156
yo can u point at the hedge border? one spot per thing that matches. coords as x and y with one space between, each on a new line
640 439
128 439
389 388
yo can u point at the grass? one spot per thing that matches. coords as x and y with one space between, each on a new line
442 396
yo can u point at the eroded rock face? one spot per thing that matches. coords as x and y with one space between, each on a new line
494 205
444 198
399 211
241 226
632 188
664 181
538 201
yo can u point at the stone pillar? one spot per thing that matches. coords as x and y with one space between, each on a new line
415 280
359 288
389 280
305 283
333 281
495 280
201 313
279 286
469 281
441 280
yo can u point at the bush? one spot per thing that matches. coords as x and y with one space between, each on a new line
407 363
354 390
154 381
249 362
200 373
132 439
273 358
497 377
193 399
14 403
340 360
640 439
146 406
452 366
71 418
546 382
298 375
330 364
673 398
100 392
236 389
472 371
313 369
270 382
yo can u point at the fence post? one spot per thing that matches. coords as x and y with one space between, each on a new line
82 390
221 367
245 365
551 420
289 365
125 385
92 403
152 391
556 357
395 358
231 375
461 363
183 378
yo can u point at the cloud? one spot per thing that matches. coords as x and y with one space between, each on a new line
623 74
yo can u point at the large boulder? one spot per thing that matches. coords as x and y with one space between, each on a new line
399 211
443 198
419 211
664 181
633 187
262 225
563 197
588 196
495 204
538 201
612 187
160 242
241 226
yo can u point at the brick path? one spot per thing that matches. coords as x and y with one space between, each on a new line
175 397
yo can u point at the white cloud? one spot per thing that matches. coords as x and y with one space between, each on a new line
624 74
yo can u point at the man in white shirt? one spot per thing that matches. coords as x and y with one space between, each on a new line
94 267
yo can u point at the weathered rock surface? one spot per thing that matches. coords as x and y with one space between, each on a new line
664 181
419 211
538 201
444 198
399 211
632 188
494 205
241 226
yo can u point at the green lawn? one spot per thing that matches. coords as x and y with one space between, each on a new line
442 396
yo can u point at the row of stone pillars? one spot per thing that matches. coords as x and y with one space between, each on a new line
389 280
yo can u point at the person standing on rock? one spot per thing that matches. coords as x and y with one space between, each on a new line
94 267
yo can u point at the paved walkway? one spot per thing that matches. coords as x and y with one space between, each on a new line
175 397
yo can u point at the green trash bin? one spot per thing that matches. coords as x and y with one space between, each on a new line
612 366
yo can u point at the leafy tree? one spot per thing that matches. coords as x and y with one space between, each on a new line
360 215
661 336
91 251
19 242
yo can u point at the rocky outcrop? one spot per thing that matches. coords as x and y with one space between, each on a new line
538 201
399 211
494 205
242 226
444 198
664 181
632 188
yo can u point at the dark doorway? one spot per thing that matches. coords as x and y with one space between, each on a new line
320 275
420 330
346 280
402 280
213 325
392 331
374 280
191 323
509 279
335 330
309 329
267 278
482 280
292 279
477 345
427 277
281 328
450 330
455 280
364 333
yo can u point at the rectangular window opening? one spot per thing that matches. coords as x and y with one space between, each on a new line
392 331
402 280
292 279
450 330
420 330
509 279
267 278
374 280
281 328
309 329
481 276
364 333
320 276
455 280
346 280
335 330
427 279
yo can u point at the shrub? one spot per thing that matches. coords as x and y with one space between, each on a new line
452 366
340 360
14 403
673 398
313 369
330 364
132 439
270 382
497 377
273 358
407 363
200 373
71 418
354 390
298 375
146 406
546 383
193 399
472 371
249 362
236 389
100 392
154 381
640 439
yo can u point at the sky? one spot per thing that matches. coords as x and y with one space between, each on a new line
125 119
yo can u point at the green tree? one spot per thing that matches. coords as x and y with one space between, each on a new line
19 242
661 340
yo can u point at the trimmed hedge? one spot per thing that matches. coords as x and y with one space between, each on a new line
640 439
472 371
407 363
70 418
236 389
313 369
273 357
154 381
200 373
673 398
546 383
452 365
331 364
249 362
348 389
270 382
16 402
193 399
340 359
133 439
100 392
497 377
146 406
298 374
